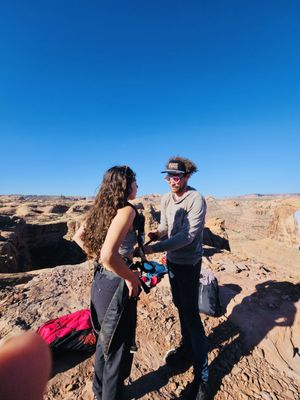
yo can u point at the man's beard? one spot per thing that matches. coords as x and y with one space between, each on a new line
179 189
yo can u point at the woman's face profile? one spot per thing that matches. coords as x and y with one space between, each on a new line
133 192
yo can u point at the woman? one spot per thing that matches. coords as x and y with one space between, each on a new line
108 237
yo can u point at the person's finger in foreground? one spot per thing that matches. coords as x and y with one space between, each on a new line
25 365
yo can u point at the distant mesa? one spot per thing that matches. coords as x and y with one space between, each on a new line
36 231
258 195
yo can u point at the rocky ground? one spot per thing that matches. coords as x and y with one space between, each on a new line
254 346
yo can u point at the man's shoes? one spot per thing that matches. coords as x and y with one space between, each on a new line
178 357
196 391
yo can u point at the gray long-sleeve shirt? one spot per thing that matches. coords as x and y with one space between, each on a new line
183 220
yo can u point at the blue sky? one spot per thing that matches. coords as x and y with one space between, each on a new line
85 85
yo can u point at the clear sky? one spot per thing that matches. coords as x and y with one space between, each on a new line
85 85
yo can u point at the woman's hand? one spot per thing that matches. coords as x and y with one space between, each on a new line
134 285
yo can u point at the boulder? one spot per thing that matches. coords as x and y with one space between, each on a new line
215 234
283 226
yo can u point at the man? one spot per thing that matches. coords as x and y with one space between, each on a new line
180 233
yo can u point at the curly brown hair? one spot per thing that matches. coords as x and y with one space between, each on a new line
113 194
190 166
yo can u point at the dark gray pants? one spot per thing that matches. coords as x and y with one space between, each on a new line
184 281
116 318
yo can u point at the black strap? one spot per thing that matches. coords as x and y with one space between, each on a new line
139 227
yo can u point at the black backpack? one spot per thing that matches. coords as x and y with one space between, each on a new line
209 300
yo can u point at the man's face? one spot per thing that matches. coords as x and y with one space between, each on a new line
177 182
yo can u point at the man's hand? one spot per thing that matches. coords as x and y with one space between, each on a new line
148 250
153 235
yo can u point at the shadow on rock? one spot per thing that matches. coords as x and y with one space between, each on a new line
64 361
61 252
210 251
14 279
214 240
227 292
271 305
153 381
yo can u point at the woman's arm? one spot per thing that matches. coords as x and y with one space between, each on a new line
77 238
110 257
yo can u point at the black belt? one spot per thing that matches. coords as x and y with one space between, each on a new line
99 268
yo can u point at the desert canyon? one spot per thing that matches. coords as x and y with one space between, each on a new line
252 246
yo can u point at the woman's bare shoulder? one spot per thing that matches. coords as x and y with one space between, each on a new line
128 211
